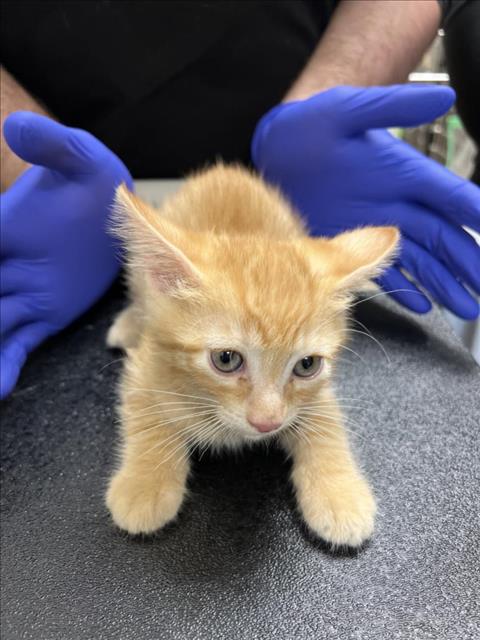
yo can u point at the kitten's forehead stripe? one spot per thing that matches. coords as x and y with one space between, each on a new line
277 294
184 347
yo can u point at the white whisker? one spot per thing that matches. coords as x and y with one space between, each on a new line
194 436
383 293
369 335
334 417
311 433
160 413
327 427
342 346
110 363
173 393
180 403
177 436
163 423
217 428
334 405
340 398
301 435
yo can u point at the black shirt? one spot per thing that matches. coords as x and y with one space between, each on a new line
167 85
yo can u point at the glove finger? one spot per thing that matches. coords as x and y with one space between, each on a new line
455 198
14 353
9 372
435 278
403 105
14 312
42 141
11 205
14 278
5 240
448 243
403 291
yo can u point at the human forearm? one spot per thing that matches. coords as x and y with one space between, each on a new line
13 98
373 42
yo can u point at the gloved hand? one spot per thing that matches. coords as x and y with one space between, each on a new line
332 157
56 256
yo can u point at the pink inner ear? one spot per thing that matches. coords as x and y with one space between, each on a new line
165 281
169 272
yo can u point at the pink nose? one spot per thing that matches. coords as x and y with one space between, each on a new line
265 425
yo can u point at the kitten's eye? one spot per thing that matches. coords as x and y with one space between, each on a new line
226 361
307 367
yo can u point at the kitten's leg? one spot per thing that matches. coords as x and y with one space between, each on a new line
335 500
148 490
125 330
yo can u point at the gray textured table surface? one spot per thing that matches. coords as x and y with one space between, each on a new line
237 563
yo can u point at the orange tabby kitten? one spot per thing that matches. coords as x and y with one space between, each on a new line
235 321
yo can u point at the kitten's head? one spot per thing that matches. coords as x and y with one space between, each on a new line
249 323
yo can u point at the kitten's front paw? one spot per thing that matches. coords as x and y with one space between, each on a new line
139 506
341 513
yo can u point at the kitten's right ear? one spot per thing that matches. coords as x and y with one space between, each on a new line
354 257
362 254
154 245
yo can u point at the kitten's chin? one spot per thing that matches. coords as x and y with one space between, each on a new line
256 436
235 438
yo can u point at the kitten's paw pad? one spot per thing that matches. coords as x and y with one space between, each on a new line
124 332
343 517
139 507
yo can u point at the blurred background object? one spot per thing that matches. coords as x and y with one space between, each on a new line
447 142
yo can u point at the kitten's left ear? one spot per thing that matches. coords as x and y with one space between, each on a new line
355 257
154 244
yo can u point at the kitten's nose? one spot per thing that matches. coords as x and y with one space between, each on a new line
264 426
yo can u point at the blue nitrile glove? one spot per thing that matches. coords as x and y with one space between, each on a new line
56 256
333 158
